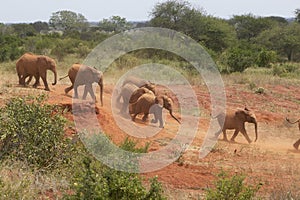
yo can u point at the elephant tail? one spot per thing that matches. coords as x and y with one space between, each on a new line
61 78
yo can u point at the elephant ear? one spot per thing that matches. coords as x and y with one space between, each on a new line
168 102
241 114
159 100
42 60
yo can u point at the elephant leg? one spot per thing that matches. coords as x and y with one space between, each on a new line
76 91
134 116
22 79
224 135
44 78
88 89
296 144
157 111
68 89
145 117
244 132
91 91
37 80
29 80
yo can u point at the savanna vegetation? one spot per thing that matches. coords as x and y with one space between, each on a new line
35 163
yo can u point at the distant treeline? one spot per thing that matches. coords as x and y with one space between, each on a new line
234 44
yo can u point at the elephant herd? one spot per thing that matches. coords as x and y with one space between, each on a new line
31 65
135 96
142 97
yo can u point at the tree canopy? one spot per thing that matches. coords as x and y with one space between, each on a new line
67 21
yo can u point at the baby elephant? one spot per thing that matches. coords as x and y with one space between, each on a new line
149 103
236 120
87 76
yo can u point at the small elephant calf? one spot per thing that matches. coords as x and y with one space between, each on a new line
236 120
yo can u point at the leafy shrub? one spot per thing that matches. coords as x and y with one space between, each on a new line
96 181
284 70
30 131
265 58
10 47
231 188
238 59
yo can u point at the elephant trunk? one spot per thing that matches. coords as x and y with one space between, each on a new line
255 126
171 113
101 91
55 76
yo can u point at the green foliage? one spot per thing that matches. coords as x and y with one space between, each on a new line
265 58
286 70
22 190
33 132
238 58
283 39
130 145
297 13
114 24
67 21
93 180
216 34
10 47
249 26
231 188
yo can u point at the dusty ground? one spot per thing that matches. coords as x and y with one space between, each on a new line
271 160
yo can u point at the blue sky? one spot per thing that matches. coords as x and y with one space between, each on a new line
15 11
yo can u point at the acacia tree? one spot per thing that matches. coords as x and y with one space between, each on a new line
114 24
68 21
216 34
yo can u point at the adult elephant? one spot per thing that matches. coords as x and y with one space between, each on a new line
236 120
29 65
149 103
87 76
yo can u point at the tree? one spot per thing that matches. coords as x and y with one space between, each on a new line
283 39
297 13
68 21
216 34
114 24
170 14
40 26
23 30
249 26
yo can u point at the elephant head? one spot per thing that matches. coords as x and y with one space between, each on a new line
246 115
167 103
46 63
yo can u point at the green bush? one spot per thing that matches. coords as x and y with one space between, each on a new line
238 59
231 188
93 180
32 132
265 58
